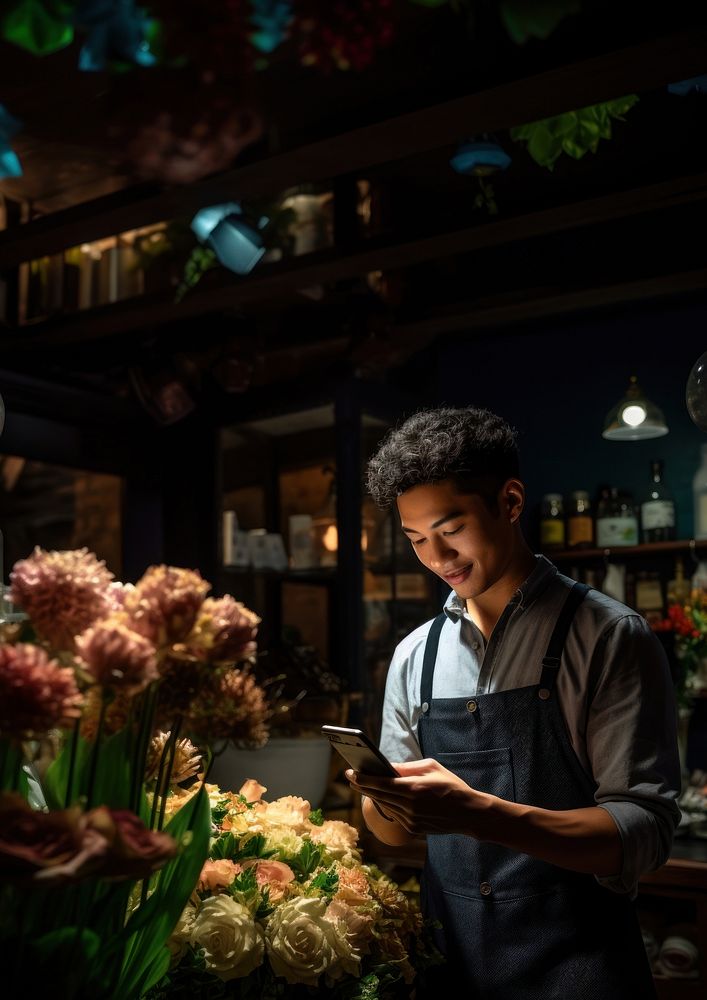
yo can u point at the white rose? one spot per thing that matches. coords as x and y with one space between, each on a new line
301 942
179 938
231 940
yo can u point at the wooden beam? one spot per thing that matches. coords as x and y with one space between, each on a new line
221 290
639 68
525 304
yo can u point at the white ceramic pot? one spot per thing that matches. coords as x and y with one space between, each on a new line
285 766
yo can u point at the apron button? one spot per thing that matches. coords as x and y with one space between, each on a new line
471 706
544 694
425 707
485 888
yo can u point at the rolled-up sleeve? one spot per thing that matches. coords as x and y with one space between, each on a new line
632 747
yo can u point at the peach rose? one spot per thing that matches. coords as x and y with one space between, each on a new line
217 875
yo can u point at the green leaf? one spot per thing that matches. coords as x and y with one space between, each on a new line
146 933
524 20
56 779
574 132
316 817
40 28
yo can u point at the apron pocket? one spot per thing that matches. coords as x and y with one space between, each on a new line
489 771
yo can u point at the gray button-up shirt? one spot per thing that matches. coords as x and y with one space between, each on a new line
614 689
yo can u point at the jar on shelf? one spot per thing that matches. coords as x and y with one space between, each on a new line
617 522
580 523
552 522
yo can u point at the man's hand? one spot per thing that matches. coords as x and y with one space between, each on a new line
426 798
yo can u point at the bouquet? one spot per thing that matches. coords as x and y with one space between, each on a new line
103 687
685 627
286 907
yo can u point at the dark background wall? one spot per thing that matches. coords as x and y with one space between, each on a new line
556 381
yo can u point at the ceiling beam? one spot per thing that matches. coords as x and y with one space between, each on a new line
639 68
522 305
221 291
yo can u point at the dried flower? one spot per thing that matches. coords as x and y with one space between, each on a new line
115 717
117 657
62 593
225 631
164 603
231 706
36 693
187 759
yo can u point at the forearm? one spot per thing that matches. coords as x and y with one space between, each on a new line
582 840
387 831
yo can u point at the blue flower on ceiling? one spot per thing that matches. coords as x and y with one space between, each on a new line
480 157
271 20
684 87
117 30
9 161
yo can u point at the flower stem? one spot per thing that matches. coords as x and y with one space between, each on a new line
73 751
95 752
147 716
173 738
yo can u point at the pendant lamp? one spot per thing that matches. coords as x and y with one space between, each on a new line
634 418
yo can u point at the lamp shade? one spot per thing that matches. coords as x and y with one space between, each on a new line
634 418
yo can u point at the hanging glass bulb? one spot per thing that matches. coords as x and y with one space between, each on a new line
696 393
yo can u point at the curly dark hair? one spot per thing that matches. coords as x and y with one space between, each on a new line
475 448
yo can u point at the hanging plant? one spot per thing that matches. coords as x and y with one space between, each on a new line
574 133
524 20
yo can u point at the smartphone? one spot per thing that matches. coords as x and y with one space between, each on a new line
359 751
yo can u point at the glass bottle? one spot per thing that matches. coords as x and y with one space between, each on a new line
699 496
679 586
657 508
552 522
617 523
580 523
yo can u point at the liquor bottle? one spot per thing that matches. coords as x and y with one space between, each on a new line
658 508
580 523
679 586
699 496
552 522
617 523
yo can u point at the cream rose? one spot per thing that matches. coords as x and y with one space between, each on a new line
338 837
179 938
231 940
290 811
301 942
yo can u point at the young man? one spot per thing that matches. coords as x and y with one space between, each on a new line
533 725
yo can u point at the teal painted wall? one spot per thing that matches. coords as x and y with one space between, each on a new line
555 382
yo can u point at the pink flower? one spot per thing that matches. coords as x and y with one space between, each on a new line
134 851
225 631
62 592
164 603
272 875
217 875
117 657
36 694
31 840
252 790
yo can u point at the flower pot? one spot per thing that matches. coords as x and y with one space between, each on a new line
298 766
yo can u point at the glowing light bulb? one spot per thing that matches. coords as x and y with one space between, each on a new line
633 415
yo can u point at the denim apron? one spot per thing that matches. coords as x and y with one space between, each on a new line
514 927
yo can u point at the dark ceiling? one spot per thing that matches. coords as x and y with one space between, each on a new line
622 224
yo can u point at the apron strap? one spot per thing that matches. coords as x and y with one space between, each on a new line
551 659
428 663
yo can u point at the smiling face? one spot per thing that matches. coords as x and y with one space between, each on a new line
455 535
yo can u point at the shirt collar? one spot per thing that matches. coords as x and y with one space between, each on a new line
532 586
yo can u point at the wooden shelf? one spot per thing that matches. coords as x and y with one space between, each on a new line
321 574
648 548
